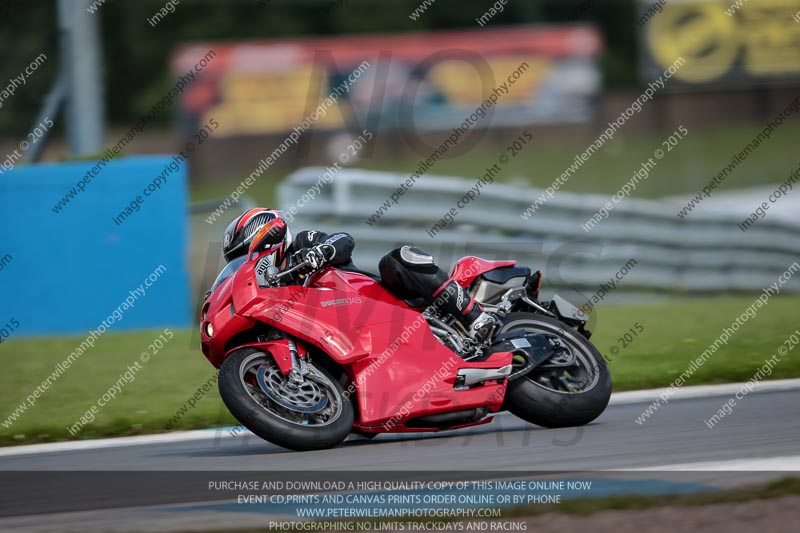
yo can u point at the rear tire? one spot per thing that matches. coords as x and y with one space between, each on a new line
273 421
536 397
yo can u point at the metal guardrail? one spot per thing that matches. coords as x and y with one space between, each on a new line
707 253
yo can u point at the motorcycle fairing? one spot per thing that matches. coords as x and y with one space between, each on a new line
227 322
343 323
413 382
399 368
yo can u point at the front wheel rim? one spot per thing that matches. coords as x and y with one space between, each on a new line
316 402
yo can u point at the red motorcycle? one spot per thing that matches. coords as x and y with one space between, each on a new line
307 359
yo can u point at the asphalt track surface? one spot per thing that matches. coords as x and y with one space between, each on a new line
764 426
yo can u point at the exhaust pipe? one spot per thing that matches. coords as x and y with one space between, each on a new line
471 376
452 418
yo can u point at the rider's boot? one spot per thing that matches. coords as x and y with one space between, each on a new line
483 326
454 299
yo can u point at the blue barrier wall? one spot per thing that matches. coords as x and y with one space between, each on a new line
67 269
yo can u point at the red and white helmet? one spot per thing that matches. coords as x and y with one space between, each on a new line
241 231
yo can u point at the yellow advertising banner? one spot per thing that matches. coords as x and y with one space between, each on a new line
736 42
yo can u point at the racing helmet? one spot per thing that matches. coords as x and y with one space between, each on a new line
241 231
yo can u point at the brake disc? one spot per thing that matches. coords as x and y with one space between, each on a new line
305 397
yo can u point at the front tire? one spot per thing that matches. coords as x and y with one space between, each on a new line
556 397
313 416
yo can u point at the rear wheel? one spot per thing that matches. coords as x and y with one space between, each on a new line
311 415
570 389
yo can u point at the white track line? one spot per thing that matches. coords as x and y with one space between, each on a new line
757 464
702 391
619 398
115 442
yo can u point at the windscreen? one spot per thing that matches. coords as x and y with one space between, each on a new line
229 270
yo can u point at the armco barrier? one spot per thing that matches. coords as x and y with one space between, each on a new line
707 254
73 268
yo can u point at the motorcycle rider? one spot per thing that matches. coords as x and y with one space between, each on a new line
407 272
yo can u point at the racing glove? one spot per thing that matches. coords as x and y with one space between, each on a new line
316 257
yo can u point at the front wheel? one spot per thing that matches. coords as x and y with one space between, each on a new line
311 415
570 389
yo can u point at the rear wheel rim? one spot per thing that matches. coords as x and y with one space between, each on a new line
580 378
316 402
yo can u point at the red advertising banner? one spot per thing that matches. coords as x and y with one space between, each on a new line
532 74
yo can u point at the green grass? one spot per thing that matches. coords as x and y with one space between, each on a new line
678 331
263 191
675 332
683 170
144 406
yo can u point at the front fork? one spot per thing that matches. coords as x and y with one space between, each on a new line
291 357
299 366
